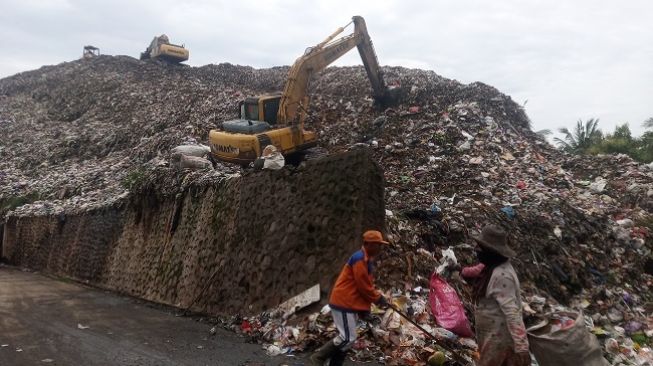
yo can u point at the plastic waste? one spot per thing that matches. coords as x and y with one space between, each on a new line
509 211
447 309
598 185
448 259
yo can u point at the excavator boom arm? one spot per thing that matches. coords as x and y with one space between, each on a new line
294 99
370 61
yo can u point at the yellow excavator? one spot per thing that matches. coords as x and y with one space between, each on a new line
278 119
161 48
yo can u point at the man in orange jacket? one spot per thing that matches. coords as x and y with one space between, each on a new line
353 293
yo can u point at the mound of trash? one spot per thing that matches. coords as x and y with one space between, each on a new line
456 157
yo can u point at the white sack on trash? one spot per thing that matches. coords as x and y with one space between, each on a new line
566 345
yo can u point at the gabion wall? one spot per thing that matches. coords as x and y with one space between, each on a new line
238 245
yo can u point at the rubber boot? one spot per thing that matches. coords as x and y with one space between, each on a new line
323 353
338 358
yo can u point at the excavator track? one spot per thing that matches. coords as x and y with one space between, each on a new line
314 153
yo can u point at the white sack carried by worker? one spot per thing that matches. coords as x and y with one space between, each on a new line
563 340
272 158
199 151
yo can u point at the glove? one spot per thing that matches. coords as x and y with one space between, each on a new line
365 316
523 359
382 302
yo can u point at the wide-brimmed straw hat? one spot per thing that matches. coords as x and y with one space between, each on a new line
495 239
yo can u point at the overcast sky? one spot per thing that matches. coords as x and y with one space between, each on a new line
569 59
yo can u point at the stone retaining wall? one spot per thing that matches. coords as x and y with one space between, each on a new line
238 245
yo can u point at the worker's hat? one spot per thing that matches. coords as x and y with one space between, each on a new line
494 239
374 236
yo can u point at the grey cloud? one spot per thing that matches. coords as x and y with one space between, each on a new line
570 60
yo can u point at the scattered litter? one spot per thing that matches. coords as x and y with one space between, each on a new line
448 259
273 350
508 156
509 211
300 301
598 185
476 160
557 232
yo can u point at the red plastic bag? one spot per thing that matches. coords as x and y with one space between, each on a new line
446 307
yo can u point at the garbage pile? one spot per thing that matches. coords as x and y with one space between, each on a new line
455 156
384 336
82 131
581 225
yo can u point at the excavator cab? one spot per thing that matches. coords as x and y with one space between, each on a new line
264 108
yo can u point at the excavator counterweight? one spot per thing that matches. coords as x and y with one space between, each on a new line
161 48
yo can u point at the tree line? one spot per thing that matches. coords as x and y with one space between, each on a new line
587 138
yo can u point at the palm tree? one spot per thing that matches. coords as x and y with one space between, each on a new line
584 136
544 133
648 123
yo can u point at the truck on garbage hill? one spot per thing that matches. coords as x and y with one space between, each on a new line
161 49
278 119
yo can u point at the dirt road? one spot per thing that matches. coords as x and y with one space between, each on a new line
44 321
